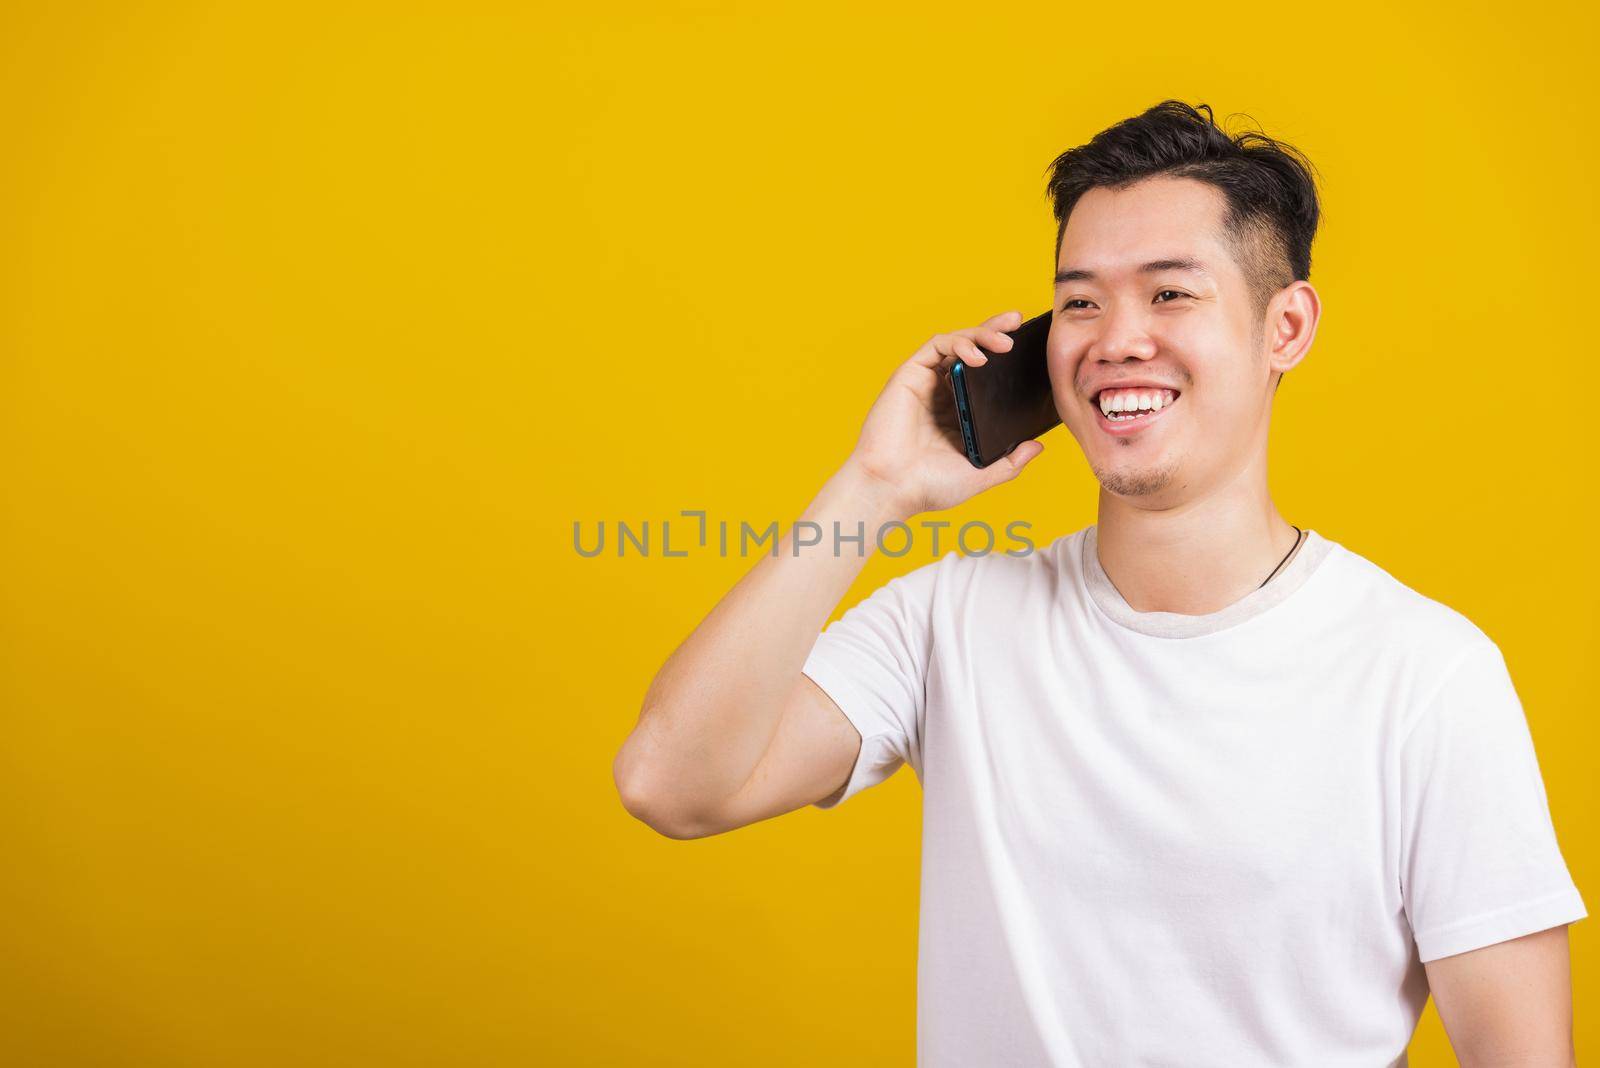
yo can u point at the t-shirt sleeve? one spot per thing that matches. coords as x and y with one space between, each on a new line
1479 859
873 662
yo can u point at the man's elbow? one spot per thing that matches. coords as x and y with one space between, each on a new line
644 802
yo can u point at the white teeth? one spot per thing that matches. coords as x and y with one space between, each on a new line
1132 400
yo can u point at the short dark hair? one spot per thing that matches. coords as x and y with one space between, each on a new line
1272 210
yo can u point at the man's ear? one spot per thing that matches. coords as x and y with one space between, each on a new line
1292 317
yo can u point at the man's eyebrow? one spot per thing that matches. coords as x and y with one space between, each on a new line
1181 263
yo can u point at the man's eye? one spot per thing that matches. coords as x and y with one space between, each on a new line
1080 301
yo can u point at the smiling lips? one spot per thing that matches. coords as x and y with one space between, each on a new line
1128 409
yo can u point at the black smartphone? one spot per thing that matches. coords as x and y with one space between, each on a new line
1008 400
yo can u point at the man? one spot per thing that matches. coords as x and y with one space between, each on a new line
1199 787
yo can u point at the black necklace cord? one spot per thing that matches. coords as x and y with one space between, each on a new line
1298 535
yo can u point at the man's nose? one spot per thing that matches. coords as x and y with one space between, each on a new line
1123 334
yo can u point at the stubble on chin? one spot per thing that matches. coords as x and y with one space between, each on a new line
1141 482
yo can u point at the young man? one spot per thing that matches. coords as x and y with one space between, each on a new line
1200 787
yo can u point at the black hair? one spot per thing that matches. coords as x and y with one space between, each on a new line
1272 210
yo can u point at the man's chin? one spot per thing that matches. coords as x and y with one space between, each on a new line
1137 482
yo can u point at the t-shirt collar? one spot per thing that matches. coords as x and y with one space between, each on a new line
1314 548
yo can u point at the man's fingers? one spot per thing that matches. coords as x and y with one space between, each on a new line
965 344
1011 464
938 350
941 350
991 339
1009 320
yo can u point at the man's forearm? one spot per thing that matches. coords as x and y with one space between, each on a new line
713 708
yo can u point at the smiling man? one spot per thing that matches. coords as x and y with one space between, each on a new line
1200 786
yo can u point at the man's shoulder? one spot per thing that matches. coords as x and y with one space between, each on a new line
996 574
1021 558
1013 581
1398 614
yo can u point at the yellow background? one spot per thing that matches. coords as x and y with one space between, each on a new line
320 325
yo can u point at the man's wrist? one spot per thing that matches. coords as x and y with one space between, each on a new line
868 497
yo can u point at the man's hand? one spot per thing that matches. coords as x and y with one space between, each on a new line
910 443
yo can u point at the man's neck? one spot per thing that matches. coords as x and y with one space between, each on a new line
1195 558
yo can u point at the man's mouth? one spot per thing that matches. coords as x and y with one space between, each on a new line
1124 407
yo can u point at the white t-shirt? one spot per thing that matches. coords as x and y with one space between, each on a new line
1159 839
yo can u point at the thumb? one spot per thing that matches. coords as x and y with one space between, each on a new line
1011 464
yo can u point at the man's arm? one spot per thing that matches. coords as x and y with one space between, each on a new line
1509 1003
733 690
731 730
